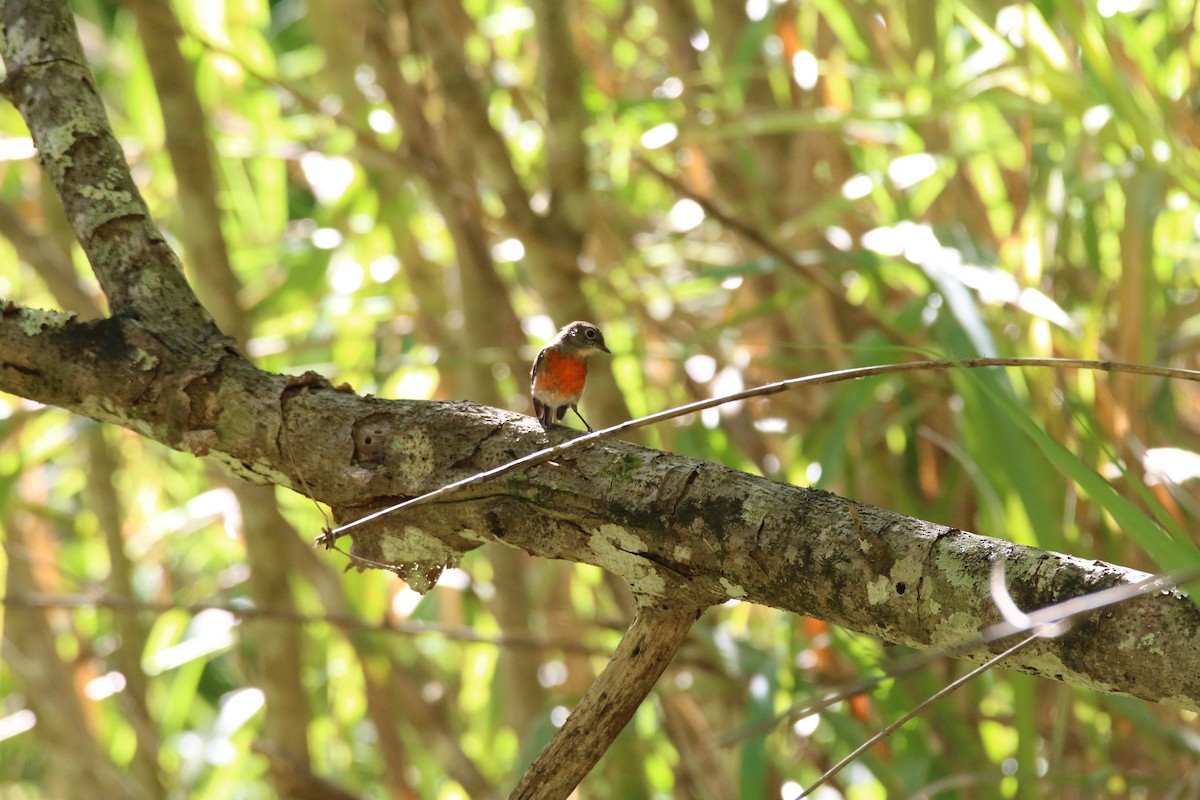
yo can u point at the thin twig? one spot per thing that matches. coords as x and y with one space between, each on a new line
343 621
887 731
835 376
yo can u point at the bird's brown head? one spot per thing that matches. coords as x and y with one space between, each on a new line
581 338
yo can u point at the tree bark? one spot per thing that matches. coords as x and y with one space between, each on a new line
49 82
639 660
671 527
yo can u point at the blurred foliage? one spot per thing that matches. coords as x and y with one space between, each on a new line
412 197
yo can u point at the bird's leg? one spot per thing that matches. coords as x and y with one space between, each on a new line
581 419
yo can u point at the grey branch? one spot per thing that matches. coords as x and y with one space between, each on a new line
674 528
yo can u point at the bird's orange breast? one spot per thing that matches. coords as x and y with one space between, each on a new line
561 375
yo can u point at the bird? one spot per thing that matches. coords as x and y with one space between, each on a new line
560 371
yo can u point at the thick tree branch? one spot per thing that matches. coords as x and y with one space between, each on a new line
49 82
672 527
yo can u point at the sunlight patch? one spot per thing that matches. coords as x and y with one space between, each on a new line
659 136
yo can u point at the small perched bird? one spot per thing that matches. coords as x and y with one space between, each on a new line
560 370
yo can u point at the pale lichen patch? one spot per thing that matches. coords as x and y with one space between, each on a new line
264 468
114 196
359 475
952 567
906 571
473 536
230 465
418 557
103 408
879 590
145 361
1149 643
620 552
37 320
22 47
417 546
258 471
413 458
732 590
622 537
649 583
955 629
756 508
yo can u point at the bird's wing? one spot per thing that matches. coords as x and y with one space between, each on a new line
537 364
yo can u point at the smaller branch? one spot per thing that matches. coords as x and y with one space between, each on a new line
854 373
608 705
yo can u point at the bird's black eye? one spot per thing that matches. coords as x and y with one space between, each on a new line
591 334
